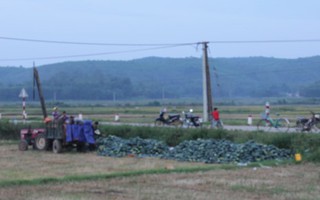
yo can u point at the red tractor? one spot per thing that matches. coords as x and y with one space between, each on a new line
32 137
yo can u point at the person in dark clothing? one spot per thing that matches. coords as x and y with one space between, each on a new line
96 135
96 131
64 117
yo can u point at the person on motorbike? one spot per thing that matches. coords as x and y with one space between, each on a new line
163 115
194 119
166 119
308 125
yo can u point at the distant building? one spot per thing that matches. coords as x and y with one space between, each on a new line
296 94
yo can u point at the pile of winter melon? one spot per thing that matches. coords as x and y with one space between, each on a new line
200 150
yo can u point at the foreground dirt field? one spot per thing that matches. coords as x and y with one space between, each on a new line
283 182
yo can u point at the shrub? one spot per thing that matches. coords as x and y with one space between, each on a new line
9 131
313 156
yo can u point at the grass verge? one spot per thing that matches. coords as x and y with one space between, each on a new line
48 180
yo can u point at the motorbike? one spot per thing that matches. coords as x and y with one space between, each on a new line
168 119
191 120
308 124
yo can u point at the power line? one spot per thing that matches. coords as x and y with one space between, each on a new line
154 46
264 41
93 54
159 44
89 43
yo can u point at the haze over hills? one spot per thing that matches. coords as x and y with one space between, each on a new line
155 77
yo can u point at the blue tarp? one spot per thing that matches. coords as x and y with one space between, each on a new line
88 132
69 134
80 132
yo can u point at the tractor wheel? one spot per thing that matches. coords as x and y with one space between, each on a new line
23 145
57 146
41 142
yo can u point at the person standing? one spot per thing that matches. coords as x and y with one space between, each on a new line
80 116
267 111
215 118
96 131
55 113
64 117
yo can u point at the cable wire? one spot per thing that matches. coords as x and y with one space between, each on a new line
88 43
159 44
155 46
88 55
264 41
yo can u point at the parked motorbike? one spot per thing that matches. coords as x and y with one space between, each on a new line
191 120
168 119
308 124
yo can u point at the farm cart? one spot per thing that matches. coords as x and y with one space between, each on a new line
57 134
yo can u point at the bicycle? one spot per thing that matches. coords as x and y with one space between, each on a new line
280 124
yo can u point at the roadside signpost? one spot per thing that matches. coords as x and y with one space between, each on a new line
23 94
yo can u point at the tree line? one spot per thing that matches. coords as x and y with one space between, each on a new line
156 78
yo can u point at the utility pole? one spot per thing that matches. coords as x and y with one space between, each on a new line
207 96
162 94
36 80
54 96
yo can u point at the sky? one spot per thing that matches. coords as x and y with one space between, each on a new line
144 28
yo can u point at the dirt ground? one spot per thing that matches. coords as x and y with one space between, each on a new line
298 181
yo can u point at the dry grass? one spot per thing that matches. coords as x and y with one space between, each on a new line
283 182
31 164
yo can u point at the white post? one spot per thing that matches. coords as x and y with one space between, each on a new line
23 94
250 120
116 117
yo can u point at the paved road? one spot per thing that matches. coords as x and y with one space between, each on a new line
228 127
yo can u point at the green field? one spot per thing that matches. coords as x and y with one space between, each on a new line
43 175
142 113
132 113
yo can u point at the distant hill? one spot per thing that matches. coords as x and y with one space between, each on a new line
153 77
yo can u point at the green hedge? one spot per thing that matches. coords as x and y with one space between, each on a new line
9 131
